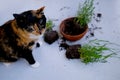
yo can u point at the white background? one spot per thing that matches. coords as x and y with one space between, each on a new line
53 63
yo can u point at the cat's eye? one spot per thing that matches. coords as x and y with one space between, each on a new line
30 29
42 13
41 21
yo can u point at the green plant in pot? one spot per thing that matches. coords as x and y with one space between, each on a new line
50 35
75 28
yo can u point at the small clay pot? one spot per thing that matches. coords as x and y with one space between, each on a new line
68 36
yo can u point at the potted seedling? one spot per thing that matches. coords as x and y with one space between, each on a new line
74 28
93 51
50 35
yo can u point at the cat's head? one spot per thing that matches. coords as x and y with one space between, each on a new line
32 20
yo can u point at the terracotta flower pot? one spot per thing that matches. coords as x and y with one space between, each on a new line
68 36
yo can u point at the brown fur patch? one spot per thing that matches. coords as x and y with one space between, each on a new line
24 36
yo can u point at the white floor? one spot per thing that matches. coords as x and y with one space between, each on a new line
53 63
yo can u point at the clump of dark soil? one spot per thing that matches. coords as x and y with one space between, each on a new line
72 28
97 17
71 50
50 36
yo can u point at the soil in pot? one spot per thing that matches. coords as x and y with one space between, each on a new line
50 36
72 28
71 50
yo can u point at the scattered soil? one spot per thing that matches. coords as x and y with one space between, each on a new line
72 28
97 18
97 3
50 36
92 30
99 15
65 7
71 50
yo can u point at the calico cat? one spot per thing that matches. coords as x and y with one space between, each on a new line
19 36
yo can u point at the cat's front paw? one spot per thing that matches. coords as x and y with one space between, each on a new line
35 65
7 64
38 44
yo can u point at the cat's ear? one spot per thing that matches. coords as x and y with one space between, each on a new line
16 16
40 10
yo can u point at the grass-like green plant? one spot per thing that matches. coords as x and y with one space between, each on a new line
93 51
49 25
85 13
